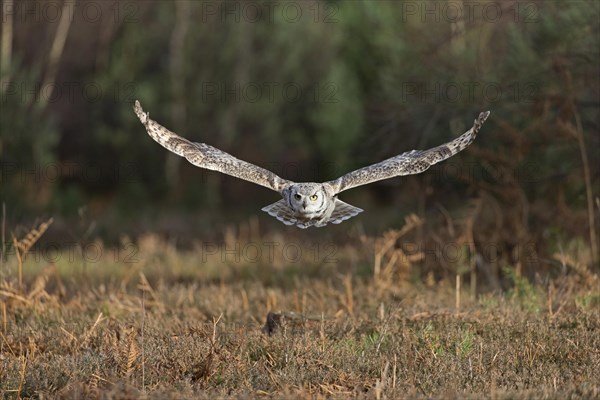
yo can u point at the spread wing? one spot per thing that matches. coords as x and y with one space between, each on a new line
411 162
204 156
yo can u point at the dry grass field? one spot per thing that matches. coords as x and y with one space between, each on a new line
149 320
160 280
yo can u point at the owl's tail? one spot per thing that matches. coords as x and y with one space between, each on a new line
343 211
282 212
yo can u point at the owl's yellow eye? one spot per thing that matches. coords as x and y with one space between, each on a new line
313 197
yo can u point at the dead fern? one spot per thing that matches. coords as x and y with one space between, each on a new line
467 238
567 260
92 386
388 256
129 353
38 288
23 246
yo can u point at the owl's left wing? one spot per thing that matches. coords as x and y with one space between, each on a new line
205 156
411 162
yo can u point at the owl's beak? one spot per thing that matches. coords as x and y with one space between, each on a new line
304 204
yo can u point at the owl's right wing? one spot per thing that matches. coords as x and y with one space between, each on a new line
205 156
411 162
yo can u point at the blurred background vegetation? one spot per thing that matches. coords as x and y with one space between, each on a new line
309 90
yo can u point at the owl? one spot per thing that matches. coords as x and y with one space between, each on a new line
306 204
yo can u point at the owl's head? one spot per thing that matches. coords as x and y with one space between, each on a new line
308 200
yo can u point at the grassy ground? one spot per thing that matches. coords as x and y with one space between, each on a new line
152 321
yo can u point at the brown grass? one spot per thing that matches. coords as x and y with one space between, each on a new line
171 324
